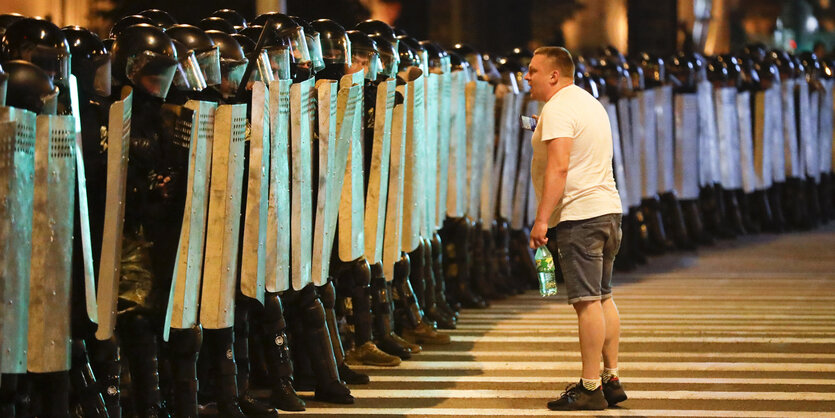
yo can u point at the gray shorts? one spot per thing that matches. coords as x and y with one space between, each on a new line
587 250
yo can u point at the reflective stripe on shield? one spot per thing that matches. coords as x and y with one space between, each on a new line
118 143
708 136
457 174
727 124
412 177
774 114
648 152
630 162
301 192
686 165
664 117
489 175
394 206
617 154
349 185
746 141
378 176
475 118
764 128
188 270
217 304
810 140
444 134
254 263
17 176
791 154
278 213
523 175
804 128
509 132
52 227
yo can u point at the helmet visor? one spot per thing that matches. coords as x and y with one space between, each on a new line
337 50
263 70
210 65
50 103
314 46
424 61
151 72
102 76
55 62
279 59
298 45
233 73
188 75
366 60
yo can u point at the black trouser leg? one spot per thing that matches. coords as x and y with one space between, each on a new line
84 386
184 346
106 363
277 354
141 349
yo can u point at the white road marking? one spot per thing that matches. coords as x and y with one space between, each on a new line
628 365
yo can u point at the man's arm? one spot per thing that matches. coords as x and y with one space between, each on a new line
556 170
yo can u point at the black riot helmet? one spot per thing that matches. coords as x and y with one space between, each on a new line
472 56
275 60
749 74
144 57
717 73
233 61
189 76
336 47
438 59
512 68
408 56
41 43
233 17
314 44
160 18
379 28
460 64
757 51
90 61
491 72
636 75
507 74
422 53
811 65
768 72
522 56
364 55
617 79
389 56
3 80
613 54
208 56
30 88
683 74
126 22
216 23
654 68
7 19
583 78
288 28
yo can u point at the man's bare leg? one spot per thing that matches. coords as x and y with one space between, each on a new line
592 326
610 344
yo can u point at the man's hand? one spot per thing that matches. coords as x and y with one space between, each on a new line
538 232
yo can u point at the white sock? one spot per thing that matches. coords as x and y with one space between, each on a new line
608 374
591 384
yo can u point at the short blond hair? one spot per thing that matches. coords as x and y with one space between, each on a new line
560 57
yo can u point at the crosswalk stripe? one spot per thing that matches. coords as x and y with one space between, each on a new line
545 412
647 365
636 354
627 380
671 314
719 340
652 327
633 394
631 331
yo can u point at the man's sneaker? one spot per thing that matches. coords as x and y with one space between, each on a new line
576 397
613 391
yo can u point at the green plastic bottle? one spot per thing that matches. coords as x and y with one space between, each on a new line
546 271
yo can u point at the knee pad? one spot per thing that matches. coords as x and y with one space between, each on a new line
361 272
186 341
327 294
376 271
273 312
402 268
314 314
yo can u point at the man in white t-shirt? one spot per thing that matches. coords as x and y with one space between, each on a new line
572 177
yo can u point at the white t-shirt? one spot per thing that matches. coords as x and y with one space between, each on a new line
590 184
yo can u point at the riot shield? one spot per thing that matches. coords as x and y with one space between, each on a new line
489 175
376 197
83 211
351 209
254 264
277 269
790 148
394 205
763 129
217 303
412 177
430 149
804 127
825 131
809 135
774 114
523 174
457 158
665 142
647 143
746 141
475 118
686 165
53 207
4 82
444 116
708 136
17 175
509 137
727 128
118 142
188 267
617 154
301 216
627 116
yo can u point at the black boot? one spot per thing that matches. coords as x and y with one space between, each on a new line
795 206
814 201
651 210
183 347
733 212
674 221
327 294
220 353
276 350
416 259
761 209
412 325
712 205
750 218
440 280
774 194
480 285
501 252
8 395
457 263
250 406
141 349
826 198
522 264
51 394
329 387
106 364
84 385
693 221
638 234
385 338
430 304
